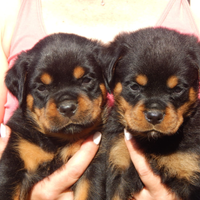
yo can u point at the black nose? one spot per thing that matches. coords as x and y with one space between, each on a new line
154 116
67 108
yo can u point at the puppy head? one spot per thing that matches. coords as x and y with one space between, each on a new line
154 79
59 83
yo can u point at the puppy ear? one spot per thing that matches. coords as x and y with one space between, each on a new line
16 77
195 55
111 71
113 54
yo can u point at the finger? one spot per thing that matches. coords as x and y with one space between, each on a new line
5 135
69 195
163 194
79 162
5 131
66 176
141 165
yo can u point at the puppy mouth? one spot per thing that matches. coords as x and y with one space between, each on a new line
150 134
153 134
73 128
69 129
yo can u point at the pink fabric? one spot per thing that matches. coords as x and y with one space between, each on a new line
178 16
28 31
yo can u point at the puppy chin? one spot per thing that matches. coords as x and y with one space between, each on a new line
150 134
70 129
154 134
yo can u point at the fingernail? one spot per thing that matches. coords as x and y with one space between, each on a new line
3 131
97 138
128 136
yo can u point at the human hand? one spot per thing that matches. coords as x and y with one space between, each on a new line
57 185
153 189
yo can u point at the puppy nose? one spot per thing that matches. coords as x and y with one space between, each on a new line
67 108
154 116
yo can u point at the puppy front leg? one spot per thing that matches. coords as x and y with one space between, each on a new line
93 182
11 173
122 177
23 164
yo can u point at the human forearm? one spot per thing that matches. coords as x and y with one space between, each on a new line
3 90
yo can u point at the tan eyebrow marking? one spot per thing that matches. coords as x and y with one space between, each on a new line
78 72
142 79
172 81
46 78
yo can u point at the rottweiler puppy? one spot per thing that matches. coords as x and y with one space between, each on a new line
62 96
154 77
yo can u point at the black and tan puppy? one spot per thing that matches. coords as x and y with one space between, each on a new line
61 93
155 82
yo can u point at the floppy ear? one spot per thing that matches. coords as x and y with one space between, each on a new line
195 54
112 55
108 70
16 77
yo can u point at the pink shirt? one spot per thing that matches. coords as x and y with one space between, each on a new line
30 29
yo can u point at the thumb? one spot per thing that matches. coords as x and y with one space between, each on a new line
142 166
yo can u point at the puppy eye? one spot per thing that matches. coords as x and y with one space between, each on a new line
42 88
177 90
135 87
86 80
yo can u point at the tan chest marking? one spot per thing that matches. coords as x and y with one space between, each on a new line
181 165
119 156
82 190
17 192
32 155
116 197
70 150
